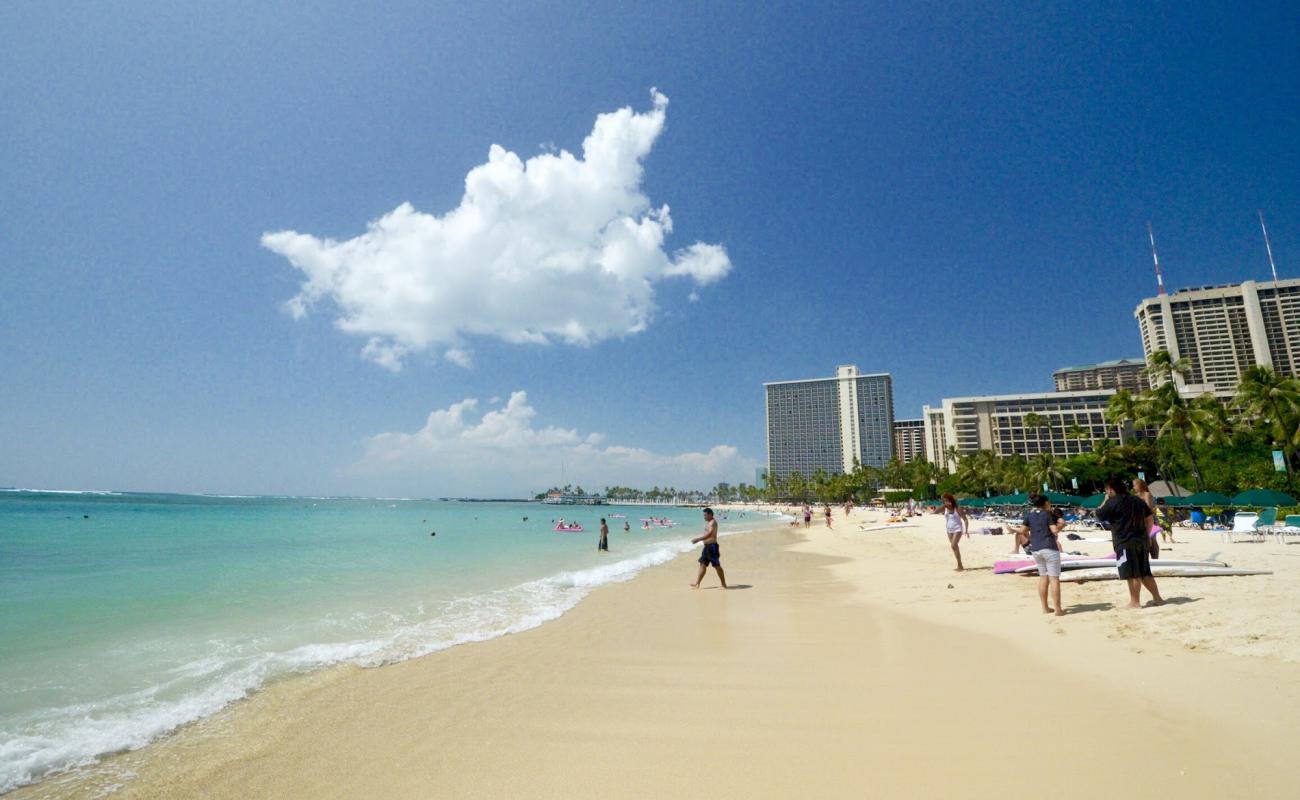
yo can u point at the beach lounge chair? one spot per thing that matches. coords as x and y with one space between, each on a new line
1291 527
1253 525
1243 525
1267 521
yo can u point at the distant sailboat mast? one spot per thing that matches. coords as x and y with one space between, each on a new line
1160 281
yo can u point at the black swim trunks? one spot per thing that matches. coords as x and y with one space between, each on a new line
711 554
1134 561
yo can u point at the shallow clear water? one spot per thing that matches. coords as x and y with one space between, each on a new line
125 615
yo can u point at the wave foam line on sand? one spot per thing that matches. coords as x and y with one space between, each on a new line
64 738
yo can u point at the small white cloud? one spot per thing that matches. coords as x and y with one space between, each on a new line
386 355
694 296
557 248
503 452
459 357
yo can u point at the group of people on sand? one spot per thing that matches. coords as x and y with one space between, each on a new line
826 514
1131 518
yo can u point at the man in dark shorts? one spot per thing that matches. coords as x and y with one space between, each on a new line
1129 520
710 555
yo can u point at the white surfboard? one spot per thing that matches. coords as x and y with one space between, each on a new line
1111 574
1090 563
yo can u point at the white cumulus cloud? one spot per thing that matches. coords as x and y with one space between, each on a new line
502 452
558 248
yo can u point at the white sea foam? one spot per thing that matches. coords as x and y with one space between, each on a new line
59 739
101 492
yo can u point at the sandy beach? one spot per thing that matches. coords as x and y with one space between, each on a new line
844 663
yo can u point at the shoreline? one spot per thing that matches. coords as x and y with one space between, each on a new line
835 671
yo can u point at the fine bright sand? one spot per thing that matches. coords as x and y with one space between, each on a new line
845 664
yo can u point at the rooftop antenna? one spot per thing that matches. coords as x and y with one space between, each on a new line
1159 280
1269 247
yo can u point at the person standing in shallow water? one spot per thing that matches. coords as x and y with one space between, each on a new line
711 554
604 536
956 523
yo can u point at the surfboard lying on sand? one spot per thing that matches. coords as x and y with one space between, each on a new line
1015 564
1111 574
1089 563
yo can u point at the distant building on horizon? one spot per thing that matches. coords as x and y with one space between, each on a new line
827 423
1125 373
909 440
1068 423
1224 330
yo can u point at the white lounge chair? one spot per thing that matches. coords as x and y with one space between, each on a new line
1246 524
1291 527
1243 526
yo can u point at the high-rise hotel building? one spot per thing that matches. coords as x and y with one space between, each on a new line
1062 423
827 423
1224 330
909 440
1126 373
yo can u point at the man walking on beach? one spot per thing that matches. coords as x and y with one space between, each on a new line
604 536
1129 520
710 554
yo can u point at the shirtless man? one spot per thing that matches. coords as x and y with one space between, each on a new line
710 554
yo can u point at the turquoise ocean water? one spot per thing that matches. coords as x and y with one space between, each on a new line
125 615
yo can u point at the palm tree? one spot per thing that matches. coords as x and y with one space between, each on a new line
1122 408
951 457
797 487
1036 422
1044 469
1077 434
1162 366
1104 450
1165 409
1014 473
821 485
1273 401
976 471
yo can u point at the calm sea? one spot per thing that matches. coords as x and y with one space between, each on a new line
123 616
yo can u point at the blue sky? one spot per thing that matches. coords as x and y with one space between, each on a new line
953 193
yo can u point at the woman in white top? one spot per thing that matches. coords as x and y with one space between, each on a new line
956 524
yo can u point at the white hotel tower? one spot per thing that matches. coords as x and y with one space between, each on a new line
1224 330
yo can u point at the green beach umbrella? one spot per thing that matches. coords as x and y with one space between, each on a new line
1094 501
971 502
1063 499
1208 499
1263 497
1017 499
1174 500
